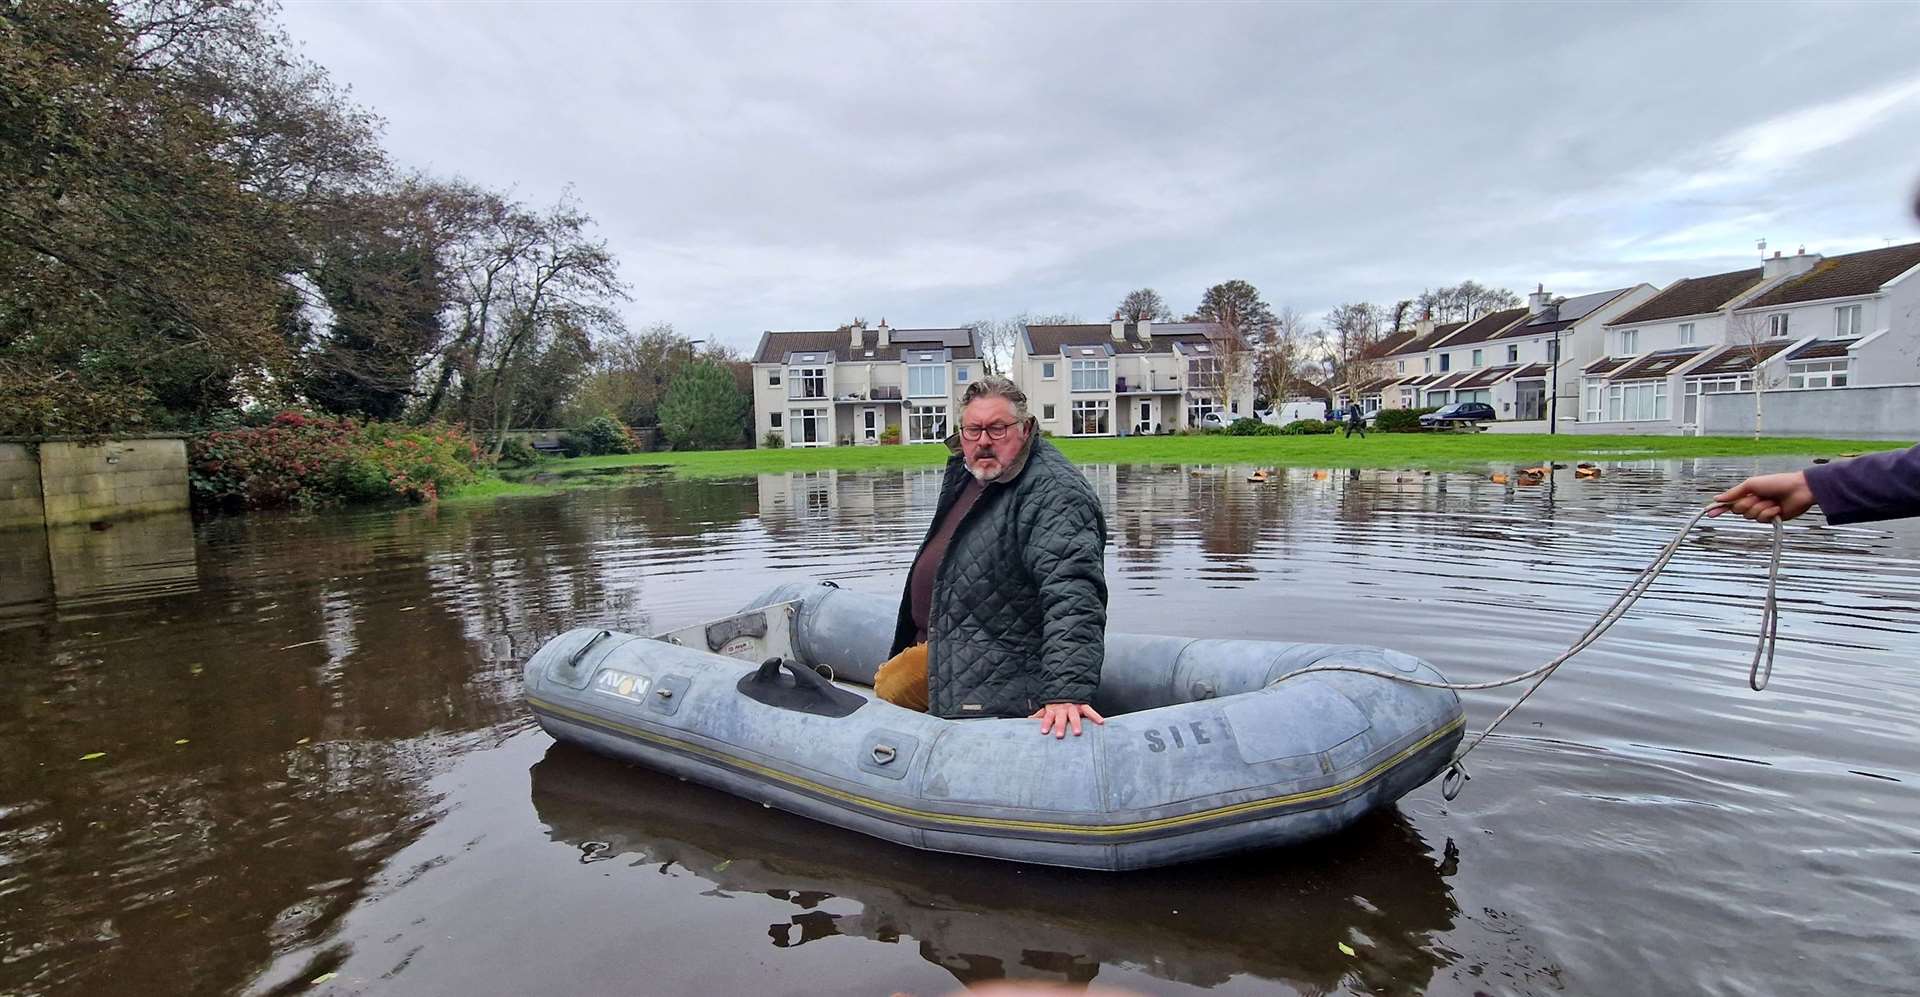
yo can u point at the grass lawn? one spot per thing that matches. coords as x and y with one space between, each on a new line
1436 451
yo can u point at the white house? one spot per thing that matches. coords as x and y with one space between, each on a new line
1125 378
850 385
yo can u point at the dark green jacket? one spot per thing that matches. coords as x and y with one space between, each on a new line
1019 613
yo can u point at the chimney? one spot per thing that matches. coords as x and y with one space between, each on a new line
1537 301
886 335
1119 329
1789 266
855 328
1146 330
1424 327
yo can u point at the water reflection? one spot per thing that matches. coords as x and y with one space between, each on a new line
245 756
1278 916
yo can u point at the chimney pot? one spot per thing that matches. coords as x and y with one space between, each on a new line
1119 329
885 335
1146 330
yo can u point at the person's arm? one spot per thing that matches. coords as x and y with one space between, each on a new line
1863 490
1869 488
1065 553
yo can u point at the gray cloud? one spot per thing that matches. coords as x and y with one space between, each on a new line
766 167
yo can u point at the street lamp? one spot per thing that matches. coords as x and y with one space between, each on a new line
691 343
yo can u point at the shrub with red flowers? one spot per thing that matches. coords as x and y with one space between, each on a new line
308 460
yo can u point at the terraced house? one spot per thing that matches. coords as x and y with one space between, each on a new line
853 385
1518 360
1801 345
1133 378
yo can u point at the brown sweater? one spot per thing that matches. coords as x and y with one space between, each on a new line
927 567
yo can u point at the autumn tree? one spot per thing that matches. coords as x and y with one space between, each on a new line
1281 358
1751 335
997 340
1144 304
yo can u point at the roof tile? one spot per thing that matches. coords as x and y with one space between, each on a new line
1693 296
1843 276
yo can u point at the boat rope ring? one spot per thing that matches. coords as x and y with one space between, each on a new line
1454 781
883 754
825 671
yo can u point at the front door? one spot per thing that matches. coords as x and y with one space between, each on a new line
870 423
1146 417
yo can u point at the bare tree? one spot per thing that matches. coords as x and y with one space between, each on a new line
1751 335
1280 356
1352 331
997 340
1143 304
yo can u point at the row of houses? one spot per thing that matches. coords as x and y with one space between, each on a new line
1832 345
859 385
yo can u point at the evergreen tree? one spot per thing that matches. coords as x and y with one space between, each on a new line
703 409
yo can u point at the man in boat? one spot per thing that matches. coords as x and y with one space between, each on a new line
1005 609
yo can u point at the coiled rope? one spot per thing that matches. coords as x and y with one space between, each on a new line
1759 672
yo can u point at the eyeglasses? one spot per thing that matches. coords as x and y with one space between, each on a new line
996 432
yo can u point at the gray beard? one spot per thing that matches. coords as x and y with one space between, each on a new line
983 476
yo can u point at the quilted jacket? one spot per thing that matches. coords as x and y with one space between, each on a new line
1019 613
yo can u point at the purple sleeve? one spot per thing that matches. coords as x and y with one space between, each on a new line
1865 489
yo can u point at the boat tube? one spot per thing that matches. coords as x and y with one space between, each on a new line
1201 755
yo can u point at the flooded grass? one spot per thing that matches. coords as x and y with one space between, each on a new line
1432 451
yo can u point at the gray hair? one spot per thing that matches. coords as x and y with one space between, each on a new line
995 386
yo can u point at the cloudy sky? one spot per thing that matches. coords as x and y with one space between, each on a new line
764 167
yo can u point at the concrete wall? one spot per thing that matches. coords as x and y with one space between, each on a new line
20 503
1880 412
82 483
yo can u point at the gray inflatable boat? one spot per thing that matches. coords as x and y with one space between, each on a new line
1200 755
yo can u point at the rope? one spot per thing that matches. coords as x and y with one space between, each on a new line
1759 671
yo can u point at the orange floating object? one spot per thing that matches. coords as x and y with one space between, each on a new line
1499 479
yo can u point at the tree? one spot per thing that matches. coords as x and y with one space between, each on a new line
1144 304
1751 334
1237 305
997 340
704 409
1352 332
1280 357
632 372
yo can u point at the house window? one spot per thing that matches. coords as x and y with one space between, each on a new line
1234 407
1198 407
1435 399
926 380
1400 366
960 375
1446 362
1636 401
1777 325
773 378
1090 375
1553 350
1846 320
1722 385
808 382
1406 397
1817 374
773 419
1426 365
927 424
1592 407
1203 371
1091 418
1513 354
1686 334
1629 341
1046 413
1479 357
809 427
1046 370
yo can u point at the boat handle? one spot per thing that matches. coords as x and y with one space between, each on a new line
574 662
803 677
883 754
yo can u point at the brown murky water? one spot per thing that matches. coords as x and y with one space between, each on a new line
315 759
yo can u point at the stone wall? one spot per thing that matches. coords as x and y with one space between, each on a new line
20 503
81 483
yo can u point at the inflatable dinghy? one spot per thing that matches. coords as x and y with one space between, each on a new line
1200 755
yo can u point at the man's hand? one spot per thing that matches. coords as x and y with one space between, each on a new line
1055 718
1764 498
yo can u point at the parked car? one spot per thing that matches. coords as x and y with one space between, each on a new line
1214 420
1457 415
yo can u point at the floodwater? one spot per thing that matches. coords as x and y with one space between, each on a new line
314 764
